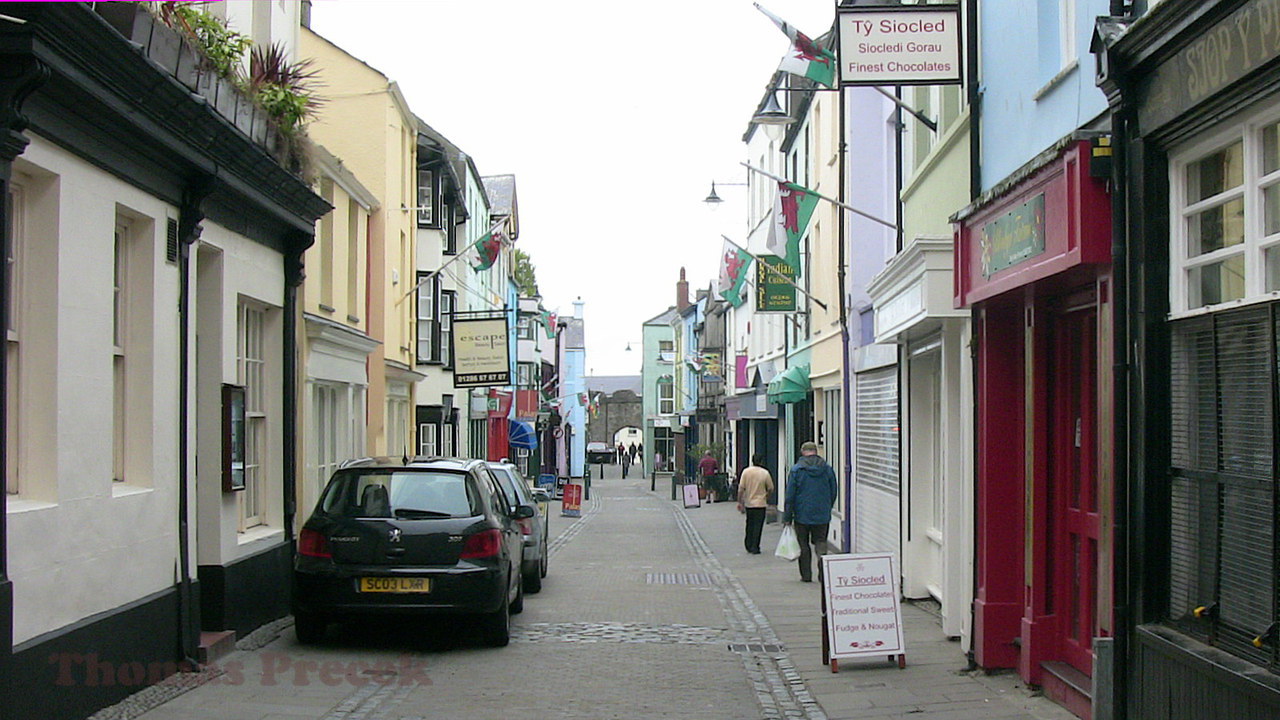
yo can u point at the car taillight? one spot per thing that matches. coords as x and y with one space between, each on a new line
313 543
526 526
486 543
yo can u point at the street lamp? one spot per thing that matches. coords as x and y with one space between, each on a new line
772 116
713 199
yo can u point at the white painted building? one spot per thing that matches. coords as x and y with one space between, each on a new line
150 397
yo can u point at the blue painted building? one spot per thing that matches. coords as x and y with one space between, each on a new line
1032 264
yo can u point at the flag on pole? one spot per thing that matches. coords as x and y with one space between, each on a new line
734 263
549 324
792 209
487 250
804 58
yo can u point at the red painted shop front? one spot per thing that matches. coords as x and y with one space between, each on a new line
1033 263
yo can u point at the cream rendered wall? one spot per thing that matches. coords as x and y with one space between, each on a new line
67 548
938 188
359 98
250 271
348 214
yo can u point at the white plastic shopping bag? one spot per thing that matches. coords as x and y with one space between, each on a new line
788 545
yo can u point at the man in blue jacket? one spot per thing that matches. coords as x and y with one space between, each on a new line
811 491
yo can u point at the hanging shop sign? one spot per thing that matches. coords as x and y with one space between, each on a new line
904 45
864 616
1016 236
773 292
481 356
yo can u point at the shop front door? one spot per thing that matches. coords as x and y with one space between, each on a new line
1073 496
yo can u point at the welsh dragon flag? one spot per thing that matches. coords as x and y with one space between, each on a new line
804 58
487 250
734 263
792 209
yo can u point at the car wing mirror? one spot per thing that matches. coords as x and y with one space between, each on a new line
523 511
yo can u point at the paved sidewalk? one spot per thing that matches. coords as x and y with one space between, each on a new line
935 683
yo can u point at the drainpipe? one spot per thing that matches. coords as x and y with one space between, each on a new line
294 273
23 75
1120 395
846 367
974 96
190 215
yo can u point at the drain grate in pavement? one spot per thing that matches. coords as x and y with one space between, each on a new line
677 579
754 648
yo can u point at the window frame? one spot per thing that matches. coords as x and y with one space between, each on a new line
1253 249
669 401
445 323
427 196
16 201
428 326
251 373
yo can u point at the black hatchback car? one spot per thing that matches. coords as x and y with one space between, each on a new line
431 536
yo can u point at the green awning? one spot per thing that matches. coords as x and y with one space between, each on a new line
790 386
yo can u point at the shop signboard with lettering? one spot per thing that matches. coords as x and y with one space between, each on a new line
481 356
773 292
1013 237
900 45
864 615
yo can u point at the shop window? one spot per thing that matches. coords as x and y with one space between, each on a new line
1223 499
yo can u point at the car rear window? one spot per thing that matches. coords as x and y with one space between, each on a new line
397 493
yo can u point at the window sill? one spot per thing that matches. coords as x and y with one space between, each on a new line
1056 80
15 506
353 319
258 534
126 490
326 308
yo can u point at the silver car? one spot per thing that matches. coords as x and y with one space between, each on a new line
534 567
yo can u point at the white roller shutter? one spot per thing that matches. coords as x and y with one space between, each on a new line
876 463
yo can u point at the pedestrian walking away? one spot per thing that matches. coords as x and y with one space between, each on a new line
624 459
753 497
811 492
707 467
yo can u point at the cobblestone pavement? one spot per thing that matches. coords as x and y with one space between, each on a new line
649 610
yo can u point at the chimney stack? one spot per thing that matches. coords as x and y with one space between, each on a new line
577 307
682 293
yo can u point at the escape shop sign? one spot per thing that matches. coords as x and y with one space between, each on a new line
908 45
480 354
864 616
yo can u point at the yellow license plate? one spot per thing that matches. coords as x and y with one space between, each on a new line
395 585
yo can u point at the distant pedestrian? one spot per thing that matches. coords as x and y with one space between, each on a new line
753 497
624 458
621 451
811 491
708 466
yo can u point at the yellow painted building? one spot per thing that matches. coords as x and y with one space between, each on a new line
366 122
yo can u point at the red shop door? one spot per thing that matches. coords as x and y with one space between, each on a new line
1074 489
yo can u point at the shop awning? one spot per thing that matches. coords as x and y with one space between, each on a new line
790 385
522 435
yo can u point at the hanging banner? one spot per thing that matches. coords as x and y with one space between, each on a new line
864 616
773 293
481 356
900 45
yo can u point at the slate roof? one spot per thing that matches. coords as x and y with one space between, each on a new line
501 190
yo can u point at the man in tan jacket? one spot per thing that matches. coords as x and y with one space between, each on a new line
753 497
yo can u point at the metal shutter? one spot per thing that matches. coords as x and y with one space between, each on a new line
876 465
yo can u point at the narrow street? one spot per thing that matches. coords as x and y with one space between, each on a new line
649 611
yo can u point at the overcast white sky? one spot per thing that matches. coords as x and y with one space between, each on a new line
614 118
